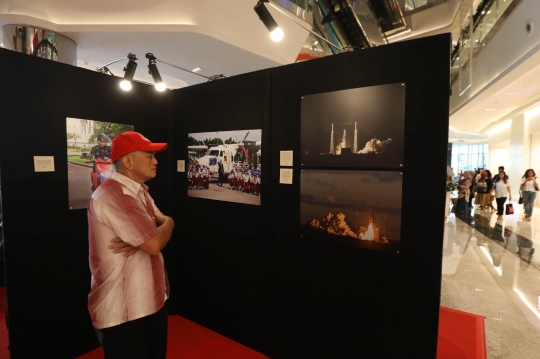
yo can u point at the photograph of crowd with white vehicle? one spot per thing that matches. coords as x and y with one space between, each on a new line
225 166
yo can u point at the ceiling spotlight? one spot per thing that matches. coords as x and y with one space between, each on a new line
125 85
153 70
276 34
129 72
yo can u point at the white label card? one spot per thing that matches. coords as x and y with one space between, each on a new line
285 175
181 166
286 158
43 163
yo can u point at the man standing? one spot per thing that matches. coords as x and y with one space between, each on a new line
221 173
128 292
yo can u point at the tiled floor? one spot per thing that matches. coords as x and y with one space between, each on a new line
490 269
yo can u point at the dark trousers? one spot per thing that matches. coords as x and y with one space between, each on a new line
143 338
500 205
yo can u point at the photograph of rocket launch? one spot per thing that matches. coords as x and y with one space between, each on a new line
352 208
361 127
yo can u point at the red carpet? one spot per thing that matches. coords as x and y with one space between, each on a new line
4 352
188 340
461 335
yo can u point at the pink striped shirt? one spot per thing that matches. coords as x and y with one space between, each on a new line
123 288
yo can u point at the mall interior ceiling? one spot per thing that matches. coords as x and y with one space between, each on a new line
228 38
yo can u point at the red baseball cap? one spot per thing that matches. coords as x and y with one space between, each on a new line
131 141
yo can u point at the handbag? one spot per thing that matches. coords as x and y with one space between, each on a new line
481 187
509 208
520 200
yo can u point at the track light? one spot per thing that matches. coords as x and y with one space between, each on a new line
276 34
153 70
129 71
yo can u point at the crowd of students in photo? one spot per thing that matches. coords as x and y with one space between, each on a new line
198 176
243 178
482 187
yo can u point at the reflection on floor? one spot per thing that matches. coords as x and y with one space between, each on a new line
489 268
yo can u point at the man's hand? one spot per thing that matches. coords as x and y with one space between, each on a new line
160 219
119 246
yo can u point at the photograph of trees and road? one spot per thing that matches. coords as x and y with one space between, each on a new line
87 169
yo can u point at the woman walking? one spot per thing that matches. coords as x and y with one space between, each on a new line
492 197
483 187
462 204
501 186
528 192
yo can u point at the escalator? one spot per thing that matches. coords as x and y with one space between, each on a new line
389 16
351 24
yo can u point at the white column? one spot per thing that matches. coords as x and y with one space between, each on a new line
519 153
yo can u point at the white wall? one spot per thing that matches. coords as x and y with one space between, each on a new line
499 155
82 128
535 157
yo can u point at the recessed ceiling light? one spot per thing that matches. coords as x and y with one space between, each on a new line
197 69
490 109
512 93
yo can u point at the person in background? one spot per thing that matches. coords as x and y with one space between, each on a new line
472 189
483 187
478 174
501 187
491 197
450 175
464 184
528 189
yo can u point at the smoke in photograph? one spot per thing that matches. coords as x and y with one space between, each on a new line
354 208
355 127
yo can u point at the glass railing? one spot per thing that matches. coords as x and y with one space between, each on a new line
486 20
417 5
306 5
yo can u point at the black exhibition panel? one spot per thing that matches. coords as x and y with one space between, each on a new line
330 301
245 272
46 244
222 247
241 270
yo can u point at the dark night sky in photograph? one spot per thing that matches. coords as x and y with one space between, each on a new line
378 110
353 193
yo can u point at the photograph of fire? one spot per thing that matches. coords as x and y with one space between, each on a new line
356 127
352 208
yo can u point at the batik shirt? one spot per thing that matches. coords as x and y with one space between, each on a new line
123 288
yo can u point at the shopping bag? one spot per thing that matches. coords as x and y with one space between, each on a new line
509 208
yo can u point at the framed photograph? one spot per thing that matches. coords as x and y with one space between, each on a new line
88 156
361 127
352 208
225 166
